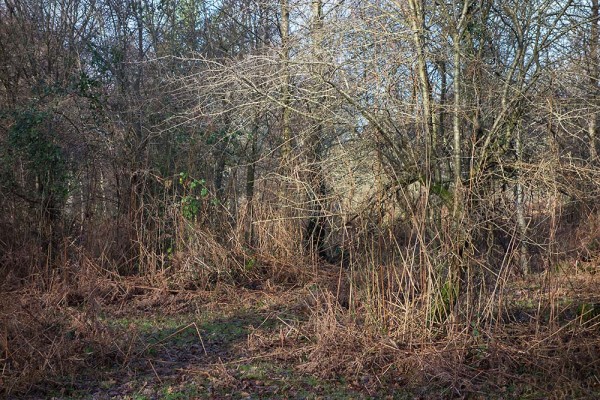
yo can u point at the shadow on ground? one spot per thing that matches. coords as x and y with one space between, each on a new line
200 354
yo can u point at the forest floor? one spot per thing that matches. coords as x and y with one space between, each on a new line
230 342
140 341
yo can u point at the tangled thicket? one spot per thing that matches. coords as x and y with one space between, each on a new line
435 152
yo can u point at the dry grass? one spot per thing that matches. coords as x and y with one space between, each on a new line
512 360
52 334
385 318
48 335
547 355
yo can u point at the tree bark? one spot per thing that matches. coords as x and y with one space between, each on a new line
417 22
286 128
594 76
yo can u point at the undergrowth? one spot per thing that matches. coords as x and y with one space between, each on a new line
60 335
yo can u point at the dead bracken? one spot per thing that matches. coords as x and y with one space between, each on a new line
299 199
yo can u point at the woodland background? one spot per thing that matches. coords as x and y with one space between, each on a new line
427 171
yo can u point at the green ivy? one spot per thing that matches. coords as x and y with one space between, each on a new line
195 191
32 141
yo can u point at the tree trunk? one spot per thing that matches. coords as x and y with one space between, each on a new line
519 207
286 128
594 75
417 22
249 236
316 229
456 130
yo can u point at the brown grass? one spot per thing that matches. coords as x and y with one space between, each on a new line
47 335
51 334
384 317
